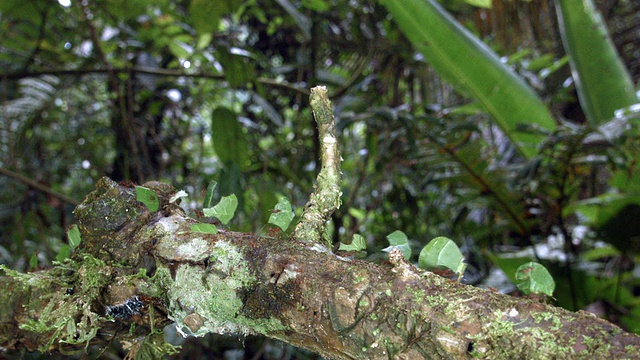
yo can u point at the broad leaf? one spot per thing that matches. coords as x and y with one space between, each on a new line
473 68
602 81
229 138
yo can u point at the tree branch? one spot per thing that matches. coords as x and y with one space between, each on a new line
149 71
152 268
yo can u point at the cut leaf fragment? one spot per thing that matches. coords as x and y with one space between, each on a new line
398 239
282 214
73 234
148 197
204 228
442 252
357 244
535 279
224 210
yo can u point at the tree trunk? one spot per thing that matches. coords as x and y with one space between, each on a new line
135 266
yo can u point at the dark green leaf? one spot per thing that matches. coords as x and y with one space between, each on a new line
472 67
229 138
237 69
205 14
602 80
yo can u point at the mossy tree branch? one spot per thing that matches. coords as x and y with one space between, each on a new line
326 197
151 268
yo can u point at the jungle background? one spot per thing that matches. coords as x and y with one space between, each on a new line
187 92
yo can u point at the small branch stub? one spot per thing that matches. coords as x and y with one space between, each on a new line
326 197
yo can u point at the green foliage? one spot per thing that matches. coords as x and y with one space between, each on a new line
224 209
208 197
358 243
229 138
177 196
282 214
148 197
399 240
219 90
204 228
472 67
442 252
534 278
603 82
206 15
73 234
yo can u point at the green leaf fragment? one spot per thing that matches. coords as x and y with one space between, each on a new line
282 214
223 210
33 261
398 239
357 244
204 228
208 197
535 279
148 197
179 195
73 234
64 253
442 252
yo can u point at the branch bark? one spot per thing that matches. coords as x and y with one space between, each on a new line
151 268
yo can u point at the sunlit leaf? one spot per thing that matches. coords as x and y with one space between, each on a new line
442 252
148 197
282 214
474 69
535 279
204 228
357 244
224 210
480 3
602 80
398 239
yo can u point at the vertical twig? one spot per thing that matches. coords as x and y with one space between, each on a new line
326 197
